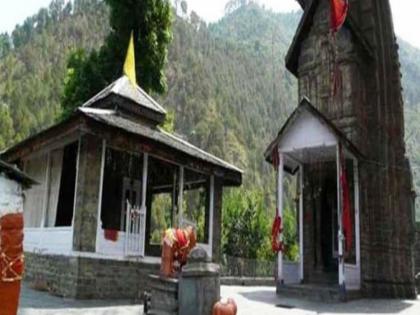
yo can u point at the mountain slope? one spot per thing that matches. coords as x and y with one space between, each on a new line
228 87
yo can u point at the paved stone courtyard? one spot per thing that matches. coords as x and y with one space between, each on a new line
251 300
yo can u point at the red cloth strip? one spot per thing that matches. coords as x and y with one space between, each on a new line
339 9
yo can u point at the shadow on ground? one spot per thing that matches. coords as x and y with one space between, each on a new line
361 306
32 299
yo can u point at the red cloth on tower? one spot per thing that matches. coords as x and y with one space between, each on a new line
339 9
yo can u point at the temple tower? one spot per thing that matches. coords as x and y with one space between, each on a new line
369 110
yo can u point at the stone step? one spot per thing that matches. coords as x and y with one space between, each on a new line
248 281
160 312
324 278
315 292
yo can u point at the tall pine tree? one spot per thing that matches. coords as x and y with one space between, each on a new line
150 21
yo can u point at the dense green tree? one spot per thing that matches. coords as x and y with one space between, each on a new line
246 228
150 22
5 44
6 126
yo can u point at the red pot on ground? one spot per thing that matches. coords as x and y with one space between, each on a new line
228 307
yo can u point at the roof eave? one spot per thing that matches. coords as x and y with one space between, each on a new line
306 104
14 173
232 175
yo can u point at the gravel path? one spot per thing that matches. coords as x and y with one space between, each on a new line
250 300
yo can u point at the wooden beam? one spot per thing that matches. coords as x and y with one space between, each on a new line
180 195
126 141
47 140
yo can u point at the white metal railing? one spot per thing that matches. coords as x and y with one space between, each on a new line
135 230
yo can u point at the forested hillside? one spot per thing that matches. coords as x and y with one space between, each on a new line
227 84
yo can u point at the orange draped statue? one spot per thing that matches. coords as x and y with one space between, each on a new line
11 262
176 245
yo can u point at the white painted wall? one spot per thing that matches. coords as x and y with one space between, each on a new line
352 273
107 247
291 273
11 200
56 241
306 132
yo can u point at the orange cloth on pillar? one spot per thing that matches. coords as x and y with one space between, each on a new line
11 262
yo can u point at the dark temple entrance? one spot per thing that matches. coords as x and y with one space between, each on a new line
329 228
323 269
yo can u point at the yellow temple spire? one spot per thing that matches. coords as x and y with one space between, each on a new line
130 62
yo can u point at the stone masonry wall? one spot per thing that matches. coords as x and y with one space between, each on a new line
87 194
88 278
56 274
370 112
417 256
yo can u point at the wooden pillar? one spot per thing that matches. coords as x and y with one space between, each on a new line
46 198
301 182
340 234
180 195
217 219
280 277
101 186
143 208
211 215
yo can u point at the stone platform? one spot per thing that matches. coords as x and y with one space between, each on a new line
317 292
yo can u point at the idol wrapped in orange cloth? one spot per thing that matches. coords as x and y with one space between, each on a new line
176 245
11 244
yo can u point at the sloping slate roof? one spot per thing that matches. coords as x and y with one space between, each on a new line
305 24
111 118
305 105
14 173
124 88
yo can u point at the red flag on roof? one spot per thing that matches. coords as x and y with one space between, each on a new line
339 10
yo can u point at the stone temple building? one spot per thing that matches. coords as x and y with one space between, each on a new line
111 181
367 119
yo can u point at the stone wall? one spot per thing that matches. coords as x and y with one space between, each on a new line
88 278
369 109
87 193
56 274
417 256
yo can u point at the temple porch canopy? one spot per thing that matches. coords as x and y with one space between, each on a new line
309 138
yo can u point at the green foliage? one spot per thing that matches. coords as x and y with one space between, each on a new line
150 21
246 229
6 126
160 216
169 123
32 71
83 76
5 44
